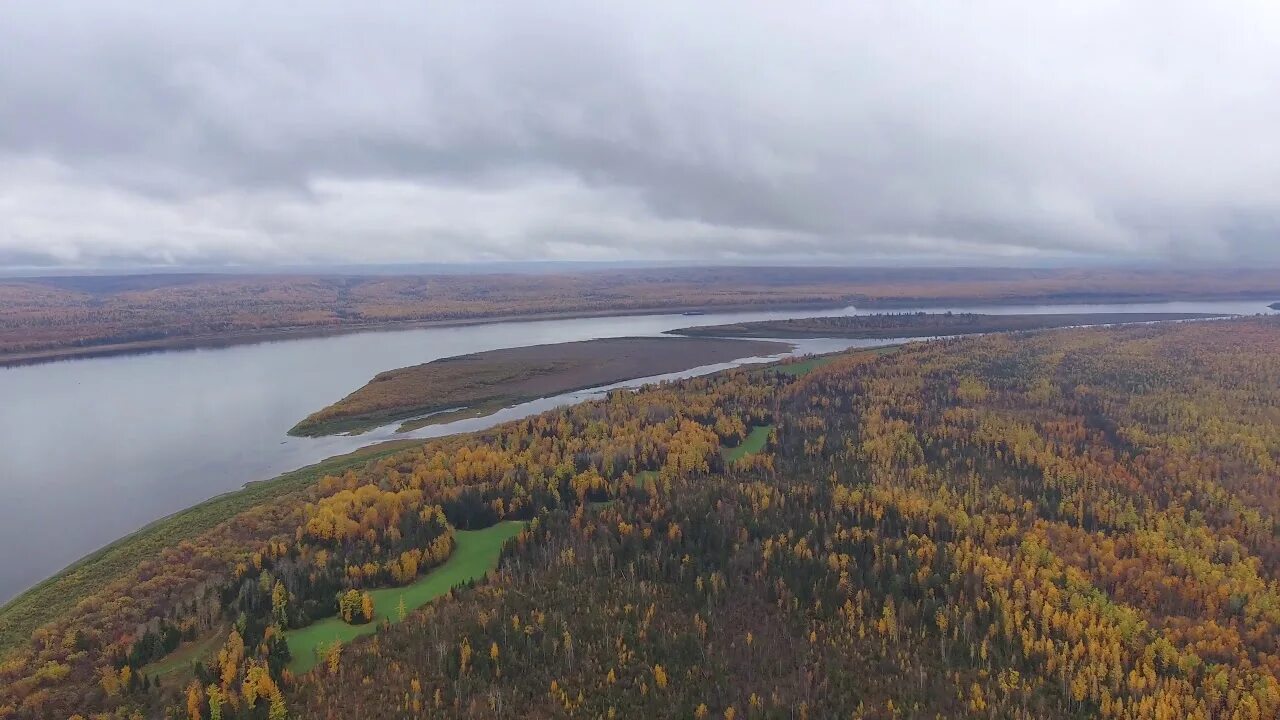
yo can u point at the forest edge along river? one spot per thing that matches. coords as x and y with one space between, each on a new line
117 442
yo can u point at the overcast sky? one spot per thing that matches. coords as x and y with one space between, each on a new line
919 132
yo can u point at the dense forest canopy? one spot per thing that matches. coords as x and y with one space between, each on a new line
50 317
1070 523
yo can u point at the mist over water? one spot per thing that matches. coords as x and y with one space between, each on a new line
96 448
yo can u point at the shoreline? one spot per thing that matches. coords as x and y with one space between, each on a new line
60 591
480 384
100 565
299 332
930 325
150 534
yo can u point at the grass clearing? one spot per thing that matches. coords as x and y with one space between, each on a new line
475 554
753 443
49 599
203 648
813 362
797 369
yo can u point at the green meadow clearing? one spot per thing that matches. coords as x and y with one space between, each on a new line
476 553
182 659
803 367
753 443
809 364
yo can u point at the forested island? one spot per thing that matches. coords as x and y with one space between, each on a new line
1074 523
920 324
481 383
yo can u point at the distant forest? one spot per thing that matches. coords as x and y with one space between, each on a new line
50 317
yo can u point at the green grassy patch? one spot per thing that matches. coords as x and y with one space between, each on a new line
184 657
813 362
475 553
796 369
753 443
48 600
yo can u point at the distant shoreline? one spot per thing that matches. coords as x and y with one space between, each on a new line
298 332
925 325
301 332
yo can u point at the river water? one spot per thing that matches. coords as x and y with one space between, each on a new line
95 448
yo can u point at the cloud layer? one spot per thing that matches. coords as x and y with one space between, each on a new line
156 133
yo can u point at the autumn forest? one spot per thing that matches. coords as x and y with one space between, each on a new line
1067 523
639 361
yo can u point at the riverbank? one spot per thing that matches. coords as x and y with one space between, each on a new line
215 459
924 325
252 337
454 386
63 590
48 599
282 333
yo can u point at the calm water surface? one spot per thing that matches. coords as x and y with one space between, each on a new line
96 448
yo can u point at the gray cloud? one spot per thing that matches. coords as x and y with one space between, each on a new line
392 131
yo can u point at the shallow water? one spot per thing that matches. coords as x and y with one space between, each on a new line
96 448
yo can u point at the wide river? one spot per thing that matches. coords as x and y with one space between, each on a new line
96 448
